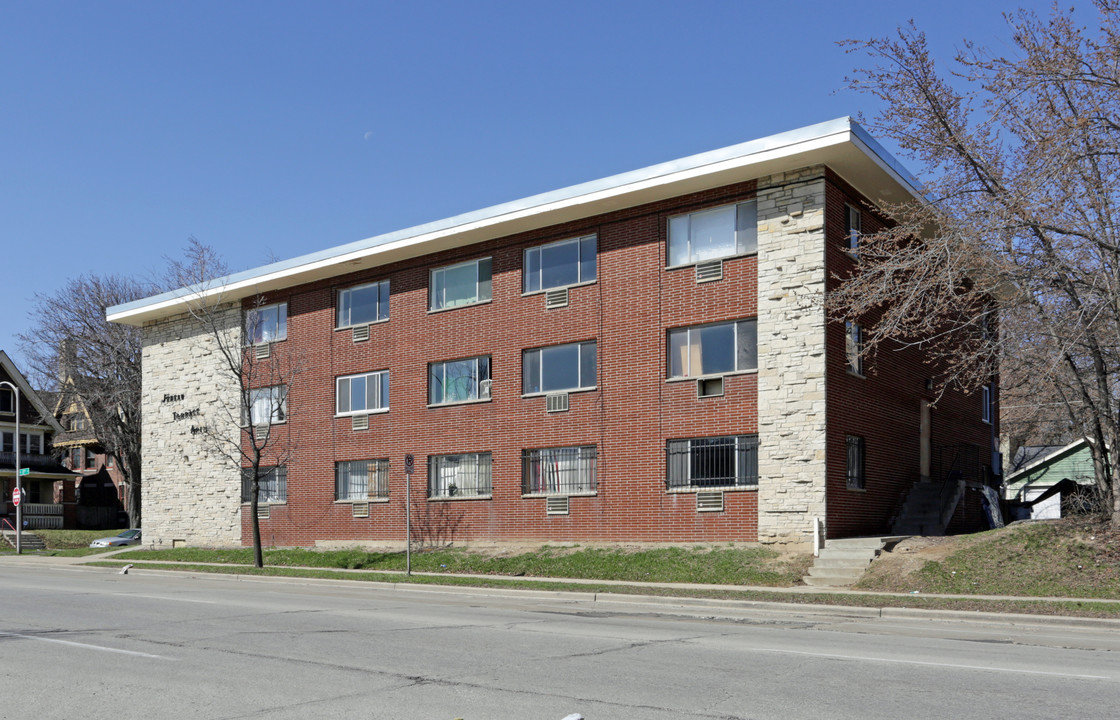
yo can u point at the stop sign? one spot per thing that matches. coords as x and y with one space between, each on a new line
16 496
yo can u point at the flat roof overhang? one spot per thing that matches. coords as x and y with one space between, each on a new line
841 144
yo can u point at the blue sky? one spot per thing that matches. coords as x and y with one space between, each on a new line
273 129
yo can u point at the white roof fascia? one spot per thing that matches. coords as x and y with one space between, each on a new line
728 165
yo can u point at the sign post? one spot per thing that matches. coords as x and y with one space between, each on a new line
409 467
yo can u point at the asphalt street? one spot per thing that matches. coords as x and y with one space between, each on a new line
81 642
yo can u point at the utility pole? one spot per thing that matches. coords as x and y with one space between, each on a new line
19 483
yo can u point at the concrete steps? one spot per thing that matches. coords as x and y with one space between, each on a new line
921 511
28 540
843 562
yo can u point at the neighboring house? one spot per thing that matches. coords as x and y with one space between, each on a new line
1044 468
642 357
101 492
48 499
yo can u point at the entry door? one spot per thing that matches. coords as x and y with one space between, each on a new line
924 447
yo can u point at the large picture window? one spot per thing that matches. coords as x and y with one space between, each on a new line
559 471
268 406
713 462
273 485
462 284
361 480
462 475
558 264
268 323
715 233
558 368
358 394
457 381
363 304
714 349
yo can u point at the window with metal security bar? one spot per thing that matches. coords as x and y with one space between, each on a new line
360 480
716 462
559 471
273 483
856 464
461 475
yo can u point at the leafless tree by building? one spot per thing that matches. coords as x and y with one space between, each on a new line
1020 160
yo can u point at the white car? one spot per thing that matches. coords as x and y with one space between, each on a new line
128 537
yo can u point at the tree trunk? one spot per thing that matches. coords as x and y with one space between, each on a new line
258 554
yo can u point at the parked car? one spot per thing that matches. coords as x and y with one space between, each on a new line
128 537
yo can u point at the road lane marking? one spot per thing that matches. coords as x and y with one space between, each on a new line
957 666
84 645
160 597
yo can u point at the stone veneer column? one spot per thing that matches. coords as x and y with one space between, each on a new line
190 492
791 356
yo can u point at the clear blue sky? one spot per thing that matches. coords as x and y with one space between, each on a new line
272 129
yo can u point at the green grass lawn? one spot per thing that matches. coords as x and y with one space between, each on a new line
716 564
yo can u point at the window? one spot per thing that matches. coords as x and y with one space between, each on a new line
464 475
557 368
716 233
77 422
268 323
853 226
559 471
361 480
28 444
7 442
567 262
91 459
357 394
713 349
712 462
463 284
268 406
853 346
75 458
986 403
856 457
458 380
110 462
273 485
7 400
363 304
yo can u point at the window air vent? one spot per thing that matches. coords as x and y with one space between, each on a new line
361 333
484 389
709 502
557 402
709 271
263 351
260 432
359 510
556 298
557 505
359 422
263 511
709 387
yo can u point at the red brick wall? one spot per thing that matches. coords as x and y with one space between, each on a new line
628 417
883 407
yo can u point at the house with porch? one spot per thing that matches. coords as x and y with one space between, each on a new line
48 486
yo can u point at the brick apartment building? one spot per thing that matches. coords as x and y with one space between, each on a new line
642 357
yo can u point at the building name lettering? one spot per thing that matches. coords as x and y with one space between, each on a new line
186 415
168 397
199 429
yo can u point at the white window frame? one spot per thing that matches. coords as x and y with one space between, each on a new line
257 319
444 483
582 361
986 403
853 347
275 401
853 228
560 470
346 305
479 374
533 264
381 398
483 291
684 245
374 487
740 333
26 446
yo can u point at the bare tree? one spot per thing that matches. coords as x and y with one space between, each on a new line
1020 158
261 372
70 341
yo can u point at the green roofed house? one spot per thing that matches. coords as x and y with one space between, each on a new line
1039 474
